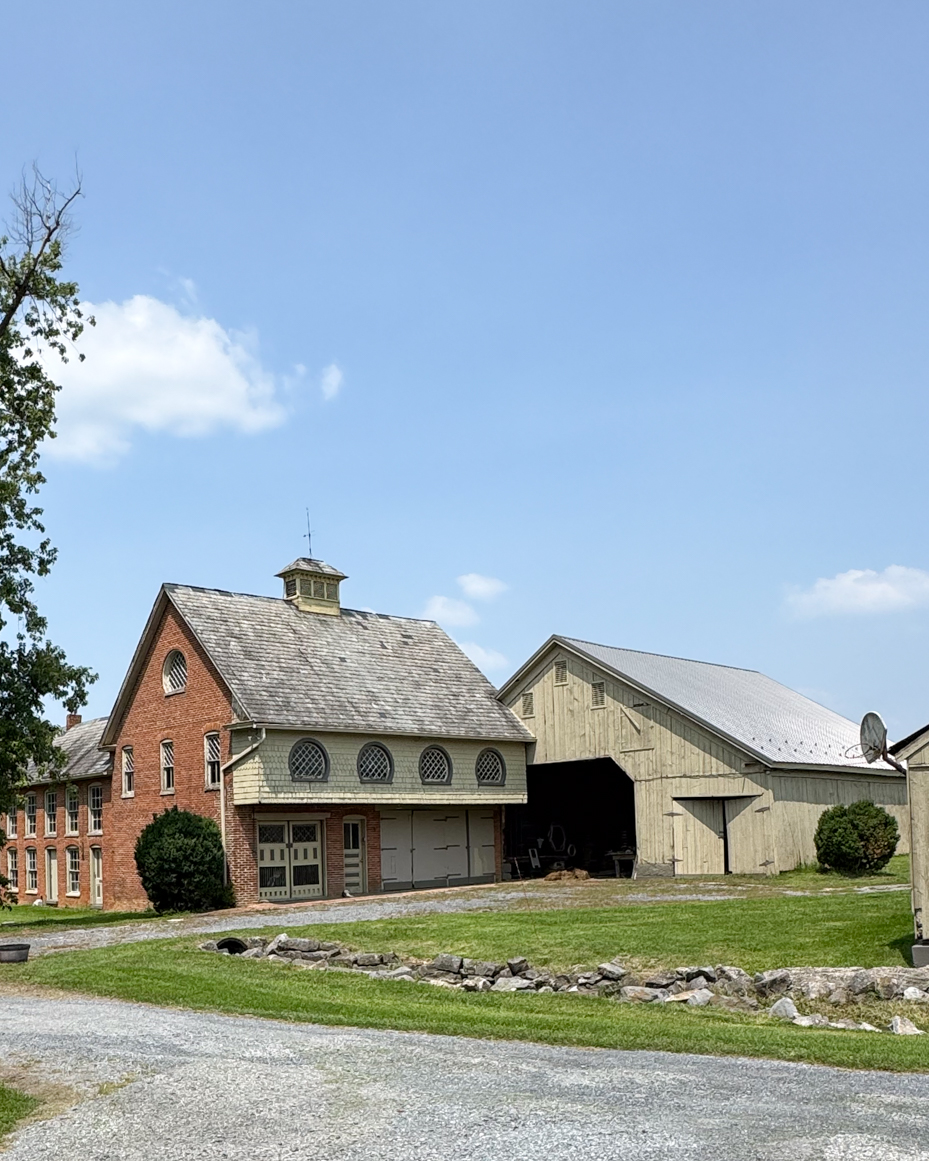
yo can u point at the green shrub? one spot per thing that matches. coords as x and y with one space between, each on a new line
179 857
856 840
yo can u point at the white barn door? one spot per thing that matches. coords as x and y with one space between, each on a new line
481 852
396 850
440 847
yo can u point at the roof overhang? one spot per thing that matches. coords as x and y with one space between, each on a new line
317 728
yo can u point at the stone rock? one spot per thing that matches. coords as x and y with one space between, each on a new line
784 1009
504 974
640 995
447 963
660 980
275 958
691 973
299 945
917 995
369 959
816 989
700 997
277 942
210 945
517 965
546 989
772 983
477 984
611 971
860 982
839 996
342 961
900 1026
439 983
513 984
324 946
399 973
698 983
814 1021
253 941
253 953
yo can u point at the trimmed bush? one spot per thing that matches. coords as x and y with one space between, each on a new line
179 857
856 840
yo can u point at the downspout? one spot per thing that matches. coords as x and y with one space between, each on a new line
222 796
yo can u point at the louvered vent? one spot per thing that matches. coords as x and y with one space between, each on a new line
561 671
528 705
598 694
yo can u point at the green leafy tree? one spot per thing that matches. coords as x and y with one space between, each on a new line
856 840
40 320
180 860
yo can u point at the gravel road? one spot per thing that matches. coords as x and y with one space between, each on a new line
209 1086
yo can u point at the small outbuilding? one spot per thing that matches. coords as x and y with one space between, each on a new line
667 766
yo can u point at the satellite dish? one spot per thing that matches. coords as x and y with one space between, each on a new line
873 737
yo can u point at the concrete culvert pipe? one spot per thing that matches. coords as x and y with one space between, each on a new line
232 945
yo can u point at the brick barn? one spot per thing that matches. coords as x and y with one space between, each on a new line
337 750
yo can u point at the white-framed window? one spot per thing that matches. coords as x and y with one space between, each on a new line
167 767
32 871
12 868
598 694
561 671
31 811
11 824
174 673
528 704
51 812
128 772
74 871
490 769
212 760
95 810
72 810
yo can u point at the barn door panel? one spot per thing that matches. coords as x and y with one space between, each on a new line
440 847
396 849
699 837
481 852
746 836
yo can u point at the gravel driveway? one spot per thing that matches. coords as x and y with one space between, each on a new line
209 1086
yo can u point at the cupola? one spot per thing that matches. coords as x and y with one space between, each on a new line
312 585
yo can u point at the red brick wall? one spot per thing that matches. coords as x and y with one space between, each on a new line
153 717
61 842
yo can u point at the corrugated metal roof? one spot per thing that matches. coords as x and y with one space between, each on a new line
81 744
776 722
361 672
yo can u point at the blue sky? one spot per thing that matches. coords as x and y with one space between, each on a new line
621 305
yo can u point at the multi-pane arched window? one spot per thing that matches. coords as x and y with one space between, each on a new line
435 766
308 761
375 763
174 674
490 768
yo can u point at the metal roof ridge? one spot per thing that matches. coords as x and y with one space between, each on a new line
671 657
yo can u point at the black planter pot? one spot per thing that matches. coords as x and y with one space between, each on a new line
14 952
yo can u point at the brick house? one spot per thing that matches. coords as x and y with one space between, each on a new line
337 750
54 848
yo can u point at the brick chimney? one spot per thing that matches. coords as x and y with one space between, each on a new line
72 720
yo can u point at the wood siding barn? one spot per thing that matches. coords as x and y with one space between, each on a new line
710 796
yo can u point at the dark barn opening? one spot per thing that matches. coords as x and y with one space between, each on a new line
578 815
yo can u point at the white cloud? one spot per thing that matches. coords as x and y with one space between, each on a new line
150 368
448 611
486 659
331 381
863 591
481 588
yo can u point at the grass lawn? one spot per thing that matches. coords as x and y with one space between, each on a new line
15 919
755 933
13 1107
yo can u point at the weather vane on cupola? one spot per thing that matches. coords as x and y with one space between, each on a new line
309 536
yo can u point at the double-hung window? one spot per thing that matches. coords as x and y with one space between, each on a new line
31 809
167 767
72 804
95 810
128 772
74 871
12 868
212 759
51 812
32 870
11 824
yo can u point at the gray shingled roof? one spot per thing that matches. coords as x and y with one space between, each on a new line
364 672
310 564
777 723
85 759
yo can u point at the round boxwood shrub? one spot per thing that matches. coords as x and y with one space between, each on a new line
856 840
179 857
